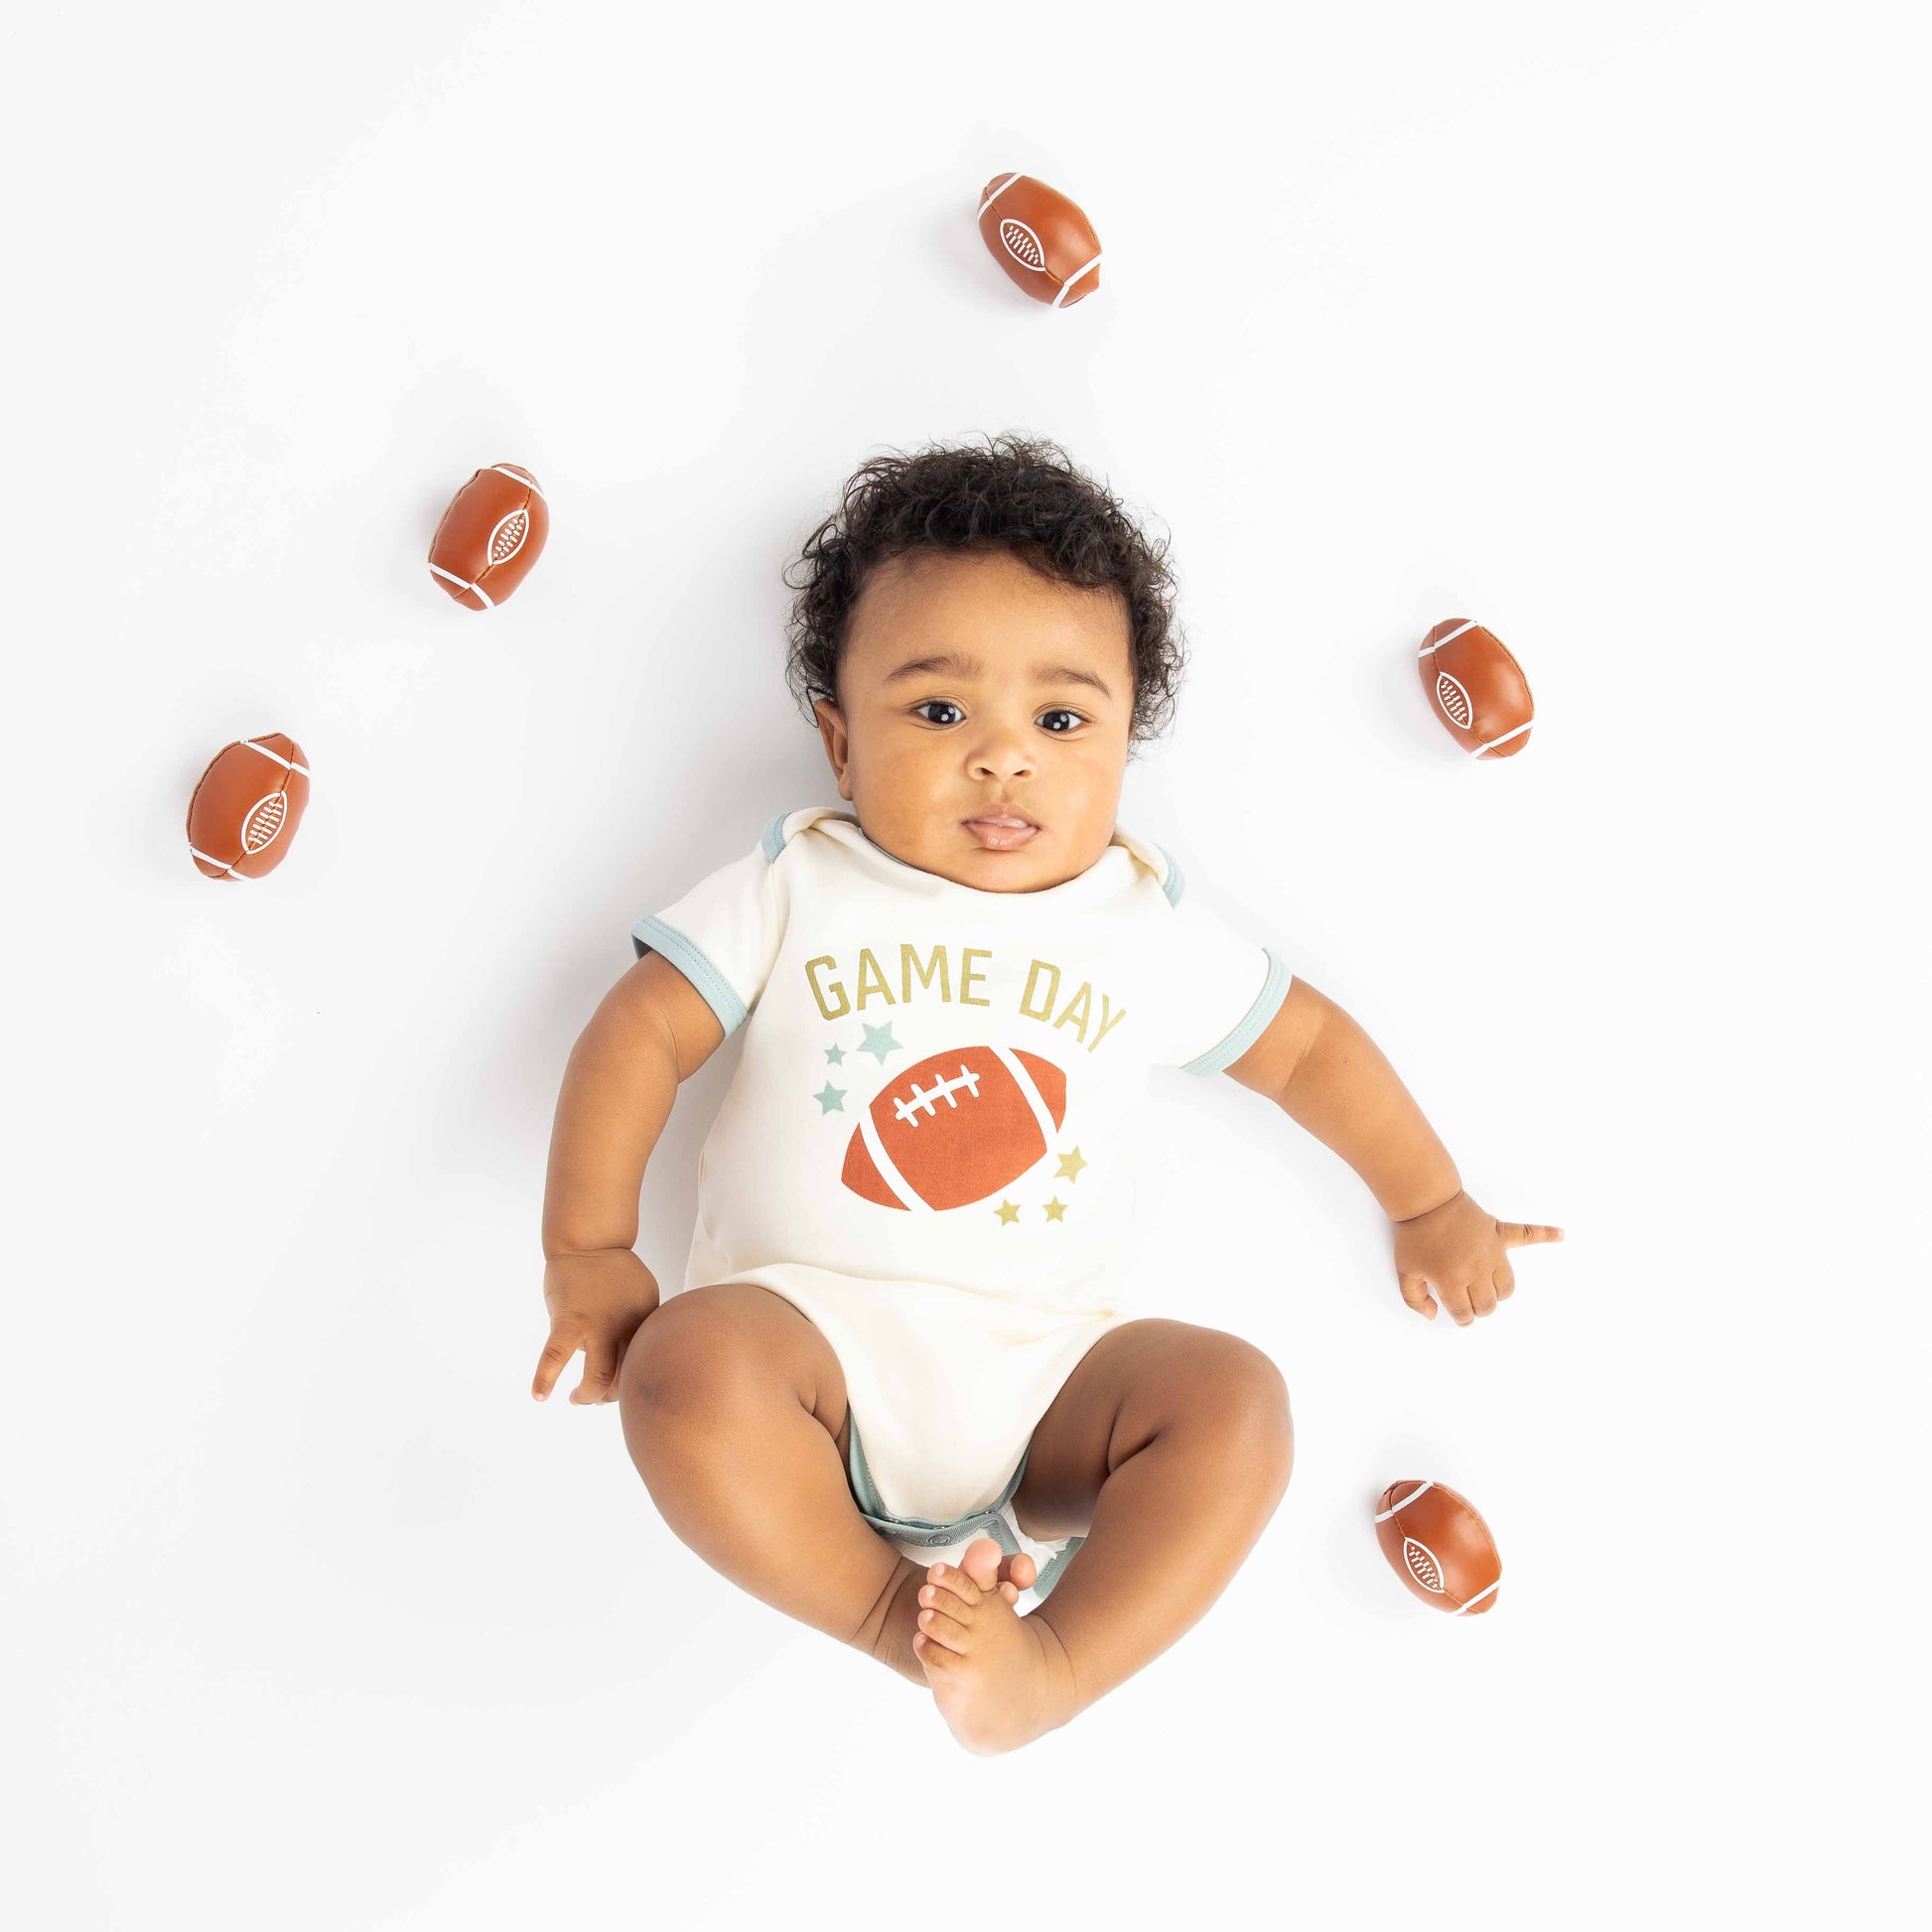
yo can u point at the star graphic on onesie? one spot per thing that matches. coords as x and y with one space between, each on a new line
830 1099
880 1041
1056 1209
1071 1164
835 1054
1008 1213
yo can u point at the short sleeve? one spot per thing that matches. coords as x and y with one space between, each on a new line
1220 987
724 934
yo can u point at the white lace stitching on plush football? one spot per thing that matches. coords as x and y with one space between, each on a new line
1422 1564
1454 701
264 821
508 537
1022 244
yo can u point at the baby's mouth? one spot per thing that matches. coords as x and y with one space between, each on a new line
1002 832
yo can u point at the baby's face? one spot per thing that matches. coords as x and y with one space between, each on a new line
970 686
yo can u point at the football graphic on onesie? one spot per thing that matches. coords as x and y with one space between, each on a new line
1043 241
1478 691
490 537
1439 1546
247 808
956 1128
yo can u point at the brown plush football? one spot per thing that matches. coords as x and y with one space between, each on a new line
1439 1546
247 805
1041 240
490 537
1476 688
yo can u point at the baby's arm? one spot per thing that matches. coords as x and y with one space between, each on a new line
652 1031
1325 1073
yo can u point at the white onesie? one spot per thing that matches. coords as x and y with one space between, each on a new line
924 1146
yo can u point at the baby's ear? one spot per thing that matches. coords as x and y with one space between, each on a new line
831 729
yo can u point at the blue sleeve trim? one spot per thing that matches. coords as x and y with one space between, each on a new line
1268 1002
773 841
653 935
1174 885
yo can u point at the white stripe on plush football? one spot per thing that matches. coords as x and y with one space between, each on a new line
1468 623
998 192
1079 275
1423 1488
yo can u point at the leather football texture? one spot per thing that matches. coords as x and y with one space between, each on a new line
1439 1546
490 535
1042 239
244 811
1476 689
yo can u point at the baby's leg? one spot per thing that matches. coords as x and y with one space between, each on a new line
734 1412
1170 1445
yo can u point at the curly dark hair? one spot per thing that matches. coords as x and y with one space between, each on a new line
1015 493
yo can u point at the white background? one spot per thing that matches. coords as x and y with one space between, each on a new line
1601 326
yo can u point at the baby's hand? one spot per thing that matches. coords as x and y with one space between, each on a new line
1463 1252
597 1303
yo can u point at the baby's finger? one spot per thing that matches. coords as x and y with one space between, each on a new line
599 1383
1516 1234
1457 1301
1415 1290
1482 1294
557 1351
1505 1280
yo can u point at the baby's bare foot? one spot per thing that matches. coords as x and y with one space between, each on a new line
999 1681
893 1644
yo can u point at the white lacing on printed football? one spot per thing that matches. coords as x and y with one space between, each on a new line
922 1100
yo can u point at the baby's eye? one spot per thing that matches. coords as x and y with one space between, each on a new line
929 705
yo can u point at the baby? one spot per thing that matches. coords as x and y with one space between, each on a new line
914 1206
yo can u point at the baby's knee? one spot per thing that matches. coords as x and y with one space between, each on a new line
671 1356
674 1396
701 1355
1251 1401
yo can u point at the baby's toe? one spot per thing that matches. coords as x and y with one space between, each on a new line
936 1626
982 1562
948 1590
